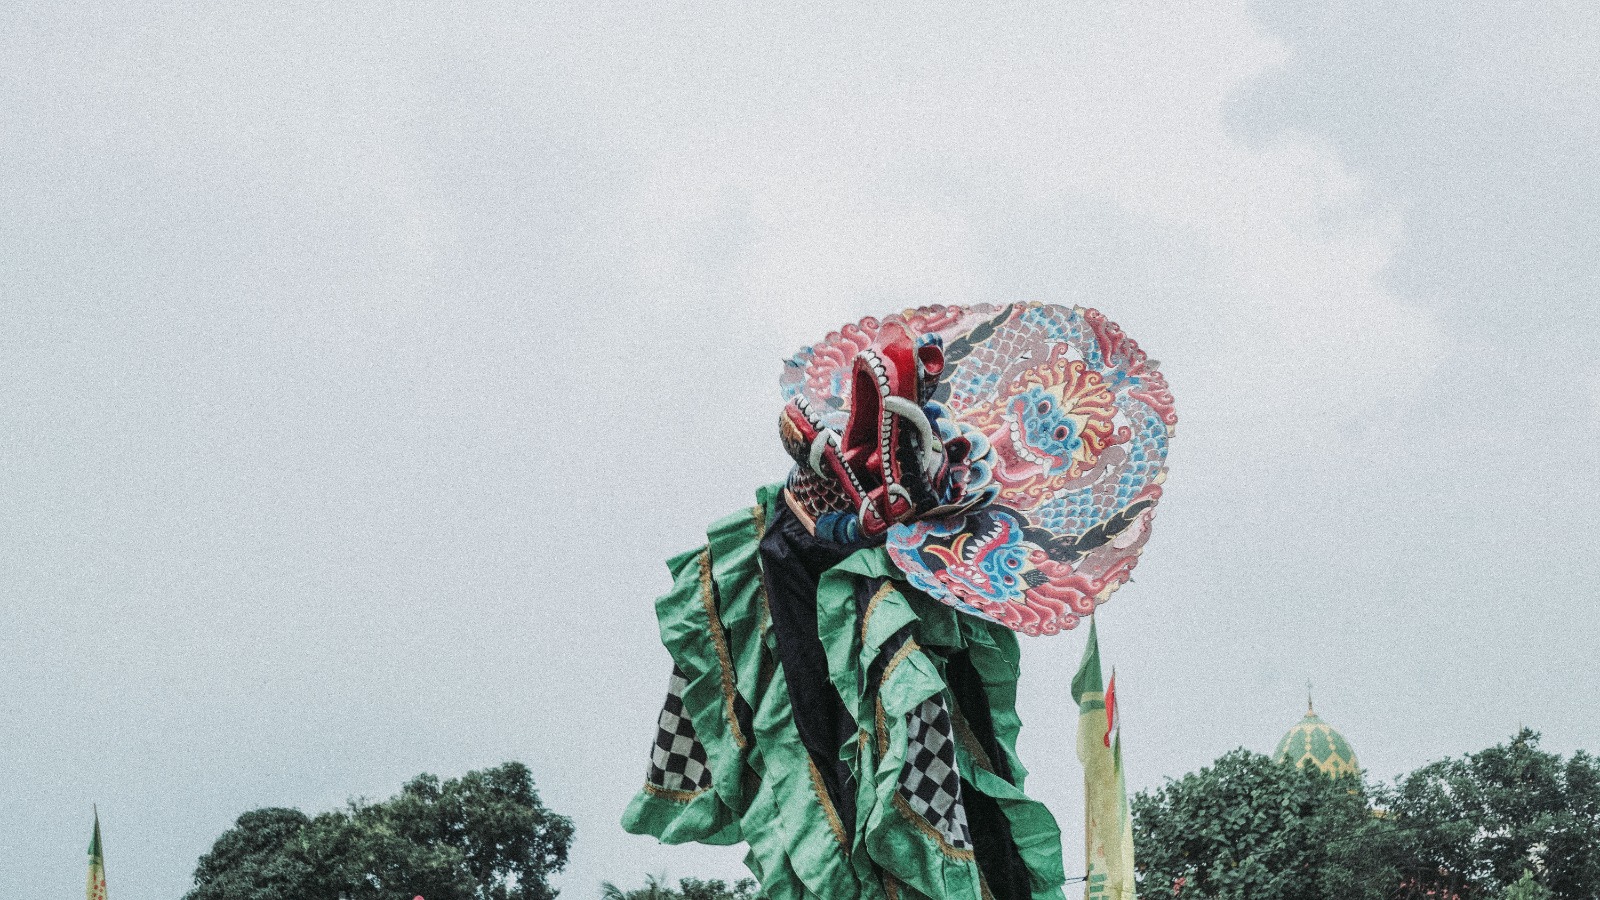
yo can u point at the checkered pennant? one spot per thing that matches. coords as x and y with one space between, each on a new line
929 782
678 760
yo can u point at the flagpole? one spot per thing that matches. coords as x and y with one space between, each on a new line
96 887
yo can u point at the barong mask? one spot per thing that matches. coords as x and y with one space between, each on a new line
1010 458
890 462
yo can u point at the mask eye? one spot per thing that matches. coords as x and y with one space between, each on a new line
1062 432
1043 407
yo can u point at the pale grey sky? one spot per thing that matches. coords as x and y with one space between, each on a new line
362 362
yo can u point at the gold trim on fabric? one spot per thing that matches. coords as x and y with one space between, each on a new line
883 751
872 606
890 886
821 791
675 796
983 888
882 725
880 722
720 640
759 514
905 650
928 830
968 739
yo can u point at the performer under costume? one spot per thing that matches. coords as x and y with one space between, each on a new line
845 652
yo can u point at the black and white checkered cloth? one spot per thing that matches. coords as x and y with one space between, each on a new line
678 760
929 782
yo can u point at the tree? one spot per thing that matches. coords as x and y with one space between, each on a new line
1249 828
248 862
655 888
1511 822
485 836
1527 889
1472 827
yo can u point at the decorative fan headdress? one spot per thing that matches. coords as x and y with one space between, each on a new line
1010 457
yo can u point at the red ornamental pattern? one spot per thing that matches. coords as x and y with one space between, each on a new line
1065 421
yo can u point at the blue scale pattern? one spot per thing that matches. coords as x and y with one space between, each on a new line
978 377
1075 512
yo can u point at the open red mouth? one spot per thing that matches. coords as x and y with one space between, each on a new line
1017 459
887 460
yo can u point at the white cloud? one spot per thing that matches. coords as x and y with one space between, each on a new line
519 425
817 179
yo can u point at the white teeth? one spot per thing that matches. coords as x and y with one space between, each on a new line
805 410
988 535
885 453
851 474
1022 448
878 369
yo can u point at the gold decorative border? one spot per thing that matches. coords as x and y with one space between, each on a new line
927 829
720 640
872 606
900 803
656 790
880 723
968 739
758 514
906 649
821 791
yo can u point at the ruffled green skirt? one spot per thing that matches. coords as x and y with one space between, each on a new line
935 806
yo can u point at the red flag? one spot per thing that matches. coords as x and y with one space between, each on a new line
1111 705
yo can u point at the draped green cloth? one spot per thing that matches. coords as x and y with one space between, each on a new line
887 659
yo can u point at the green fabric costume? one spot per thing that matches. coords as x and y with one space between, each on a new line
729 764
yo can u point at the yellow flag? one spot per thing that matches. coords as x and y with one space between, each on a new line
97 864
1124 880
1108 827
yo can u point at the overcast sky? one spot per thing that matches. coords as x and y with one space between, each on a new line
360 363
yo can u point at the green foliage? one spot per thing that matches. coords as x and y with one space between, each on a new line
248 862
1249 828
485 836
1527 889
655 888
1512 821
1474 826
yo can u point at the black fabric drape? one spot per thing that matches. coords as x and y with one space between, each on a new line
996 851
998 860
792 562
967 689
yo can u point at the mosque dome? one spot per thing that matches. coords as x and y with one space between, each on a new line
1314 742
